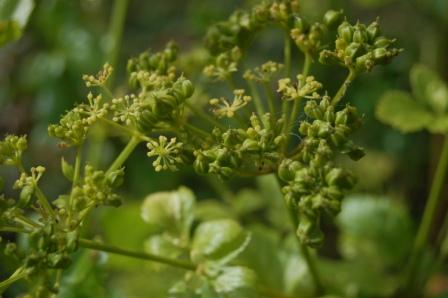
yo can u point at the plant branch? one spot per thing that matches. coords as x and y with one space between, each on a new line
119 161
204 116
343 89
433 201
134 254
16 276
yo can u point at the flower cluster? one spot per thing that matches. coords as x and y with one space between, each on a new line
360 47
222 108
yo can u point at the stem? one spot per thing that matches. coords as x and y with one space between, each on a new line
433 201
271 99
116 31
16 276
125 129
196 130
303 248
43 201
134 254
343 89
76 175
257 99
133 142
13 230
201 114
287 54
296 106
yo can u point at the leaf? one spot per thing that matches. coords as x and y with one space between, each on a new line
399 110
67 169
14 15
162 246
439 125
219 240
212 209
376 231
170 211
236 281
429 88
248 201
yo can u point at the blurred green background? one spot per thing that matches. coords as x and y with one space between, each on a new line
40 77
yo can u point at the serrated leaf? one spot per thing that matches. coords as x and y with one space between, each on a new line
67 169
427 87
236 280
399 110
218 240
172 212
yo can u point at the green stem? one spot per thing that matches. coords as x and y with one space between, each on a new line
271 98
126 130
196 130
343 89
433 201
134 254
119 161
116 31
287 54
13 230
43 201
296 106
16 276
303 248
204 116
257 99
76 175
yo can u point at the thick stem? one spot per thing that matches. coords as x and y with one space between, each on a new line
343 89
303 248
433 201
133 142
134 254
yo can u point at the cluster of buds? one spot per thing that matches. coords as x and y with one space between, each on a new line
237 151
224 65
72 128
222 108
97 188
359 47
27 185
306 87
263 73
100 78
160 62
315 186
11 149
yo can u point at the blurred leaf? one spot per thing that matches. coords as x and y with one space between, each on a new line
372 3
14 15
162 246
375 231
219 240
67 169
248 201
399 110
429 88
170 211
212 209
352 279
263 254
236 282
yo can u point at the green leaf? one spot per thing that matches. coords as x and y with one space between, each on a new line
67 169
439 125
170 211
429 88
162 245
211 210
14 15
236 281
376 231
248 201
399 110
218 240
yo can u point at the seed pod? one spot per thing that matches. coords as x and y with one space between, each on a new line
373 31
359 36
382 42
345 31
332 17
352 50
309 231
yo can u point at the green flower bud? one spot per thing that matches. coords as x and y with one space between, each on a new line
25 196
299 23
115 178
382 42
333 17
309 231
345 31
352 50
359 36
250 145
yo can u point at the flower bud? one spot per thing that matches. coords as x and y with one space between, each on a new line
373 31
332 17
345 31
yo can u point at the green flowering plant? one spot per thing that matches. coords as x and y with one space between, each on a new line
249 135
